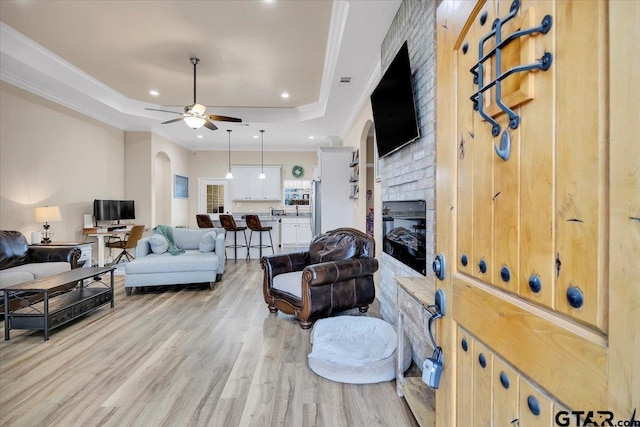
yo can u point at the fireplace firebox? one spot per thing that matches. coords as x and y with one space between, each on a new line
404 232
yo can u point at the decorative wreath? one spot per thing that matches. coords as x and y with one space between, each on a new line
297 171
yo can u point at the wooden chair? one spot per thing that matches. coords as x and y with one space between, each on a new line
130 243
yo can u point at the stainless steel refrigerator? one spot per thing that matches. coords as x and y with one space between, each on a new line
316 210
330 204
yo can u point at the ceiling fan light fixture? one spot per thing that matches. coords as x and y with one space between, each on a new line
194 114
198 109
194 122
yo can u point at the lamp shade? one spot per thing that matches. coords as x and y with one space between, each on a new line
194 122
48 214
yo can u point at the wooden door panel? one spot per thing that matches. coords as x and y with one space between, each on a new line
506 202
562 213
505 394
483 191
482 385
465 366
549 350
535 409
624 246
465 143
537 176
580 160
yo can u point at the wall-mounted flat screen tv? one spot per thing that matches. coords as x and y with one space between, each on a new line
394 110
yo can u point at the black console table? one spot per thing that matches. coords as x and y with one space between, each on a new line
57 306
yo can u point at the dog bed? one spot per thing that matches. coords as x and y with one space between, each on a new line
355 350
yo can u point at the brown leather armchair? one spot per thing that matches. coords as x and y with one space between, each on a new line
334 275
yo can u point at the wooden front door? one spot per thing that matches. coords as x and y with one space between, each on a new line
538 207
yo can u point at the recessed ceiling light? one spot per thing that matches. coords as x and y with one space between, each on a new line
154 93
311 137
199 137
267 1
284 95
255 136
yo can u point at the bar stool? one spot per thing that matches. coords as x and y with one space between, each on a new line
229 224
204 221
254 224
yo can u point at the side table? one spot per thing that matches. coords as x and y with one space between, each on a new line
85 258
415 294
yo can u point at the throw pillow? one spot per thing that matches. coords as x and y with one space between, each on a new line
208 241
158 243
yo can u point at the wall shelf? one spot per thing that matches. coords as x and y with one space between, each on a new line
355 175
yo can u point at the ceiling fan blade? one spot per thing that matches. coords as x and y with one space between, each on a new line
172 121
210 125
224 118
164 111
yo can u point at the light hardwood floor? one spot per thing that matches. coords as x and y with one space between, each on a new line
184 356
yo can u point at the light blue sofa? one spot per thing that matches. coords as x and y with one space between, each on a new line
202 261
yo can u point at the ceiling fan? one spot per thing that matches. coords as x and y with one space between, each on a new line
194 115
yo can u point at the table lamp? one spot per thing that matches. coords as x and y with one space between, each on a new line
47 214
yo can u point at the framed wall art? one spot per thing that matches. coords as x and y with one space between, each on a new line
180 187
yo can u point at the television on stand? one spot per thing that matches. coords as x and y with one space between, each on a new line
113 210
394 110
127 209
106 210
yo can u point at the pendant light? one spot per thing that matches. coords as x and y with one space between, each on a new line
229 174
262 175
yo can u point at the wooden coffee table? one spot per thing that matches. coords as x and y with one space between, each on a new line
57 306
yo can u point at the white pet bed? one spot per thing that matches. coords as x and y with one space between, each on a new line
355 350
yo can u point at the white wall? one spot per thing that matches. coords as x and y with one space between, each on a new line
138 175
180 160
51 155
145 183
356 138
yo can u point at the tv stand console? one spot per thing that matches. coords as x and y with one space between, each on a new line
65 297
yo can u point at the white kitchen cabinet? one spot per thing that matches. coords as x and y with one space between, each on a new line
295 231
247 186
271 184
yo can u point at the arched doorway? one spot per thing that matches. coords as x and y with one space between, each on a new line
162 190
368 141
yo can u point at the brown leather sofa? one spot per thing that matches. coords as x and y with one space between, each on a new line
334 275
21 263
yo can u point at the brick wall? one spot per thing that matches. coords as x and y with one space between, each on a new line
409 174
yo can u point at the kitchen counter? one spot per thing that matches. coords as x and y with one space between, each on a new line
296 235
266 217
